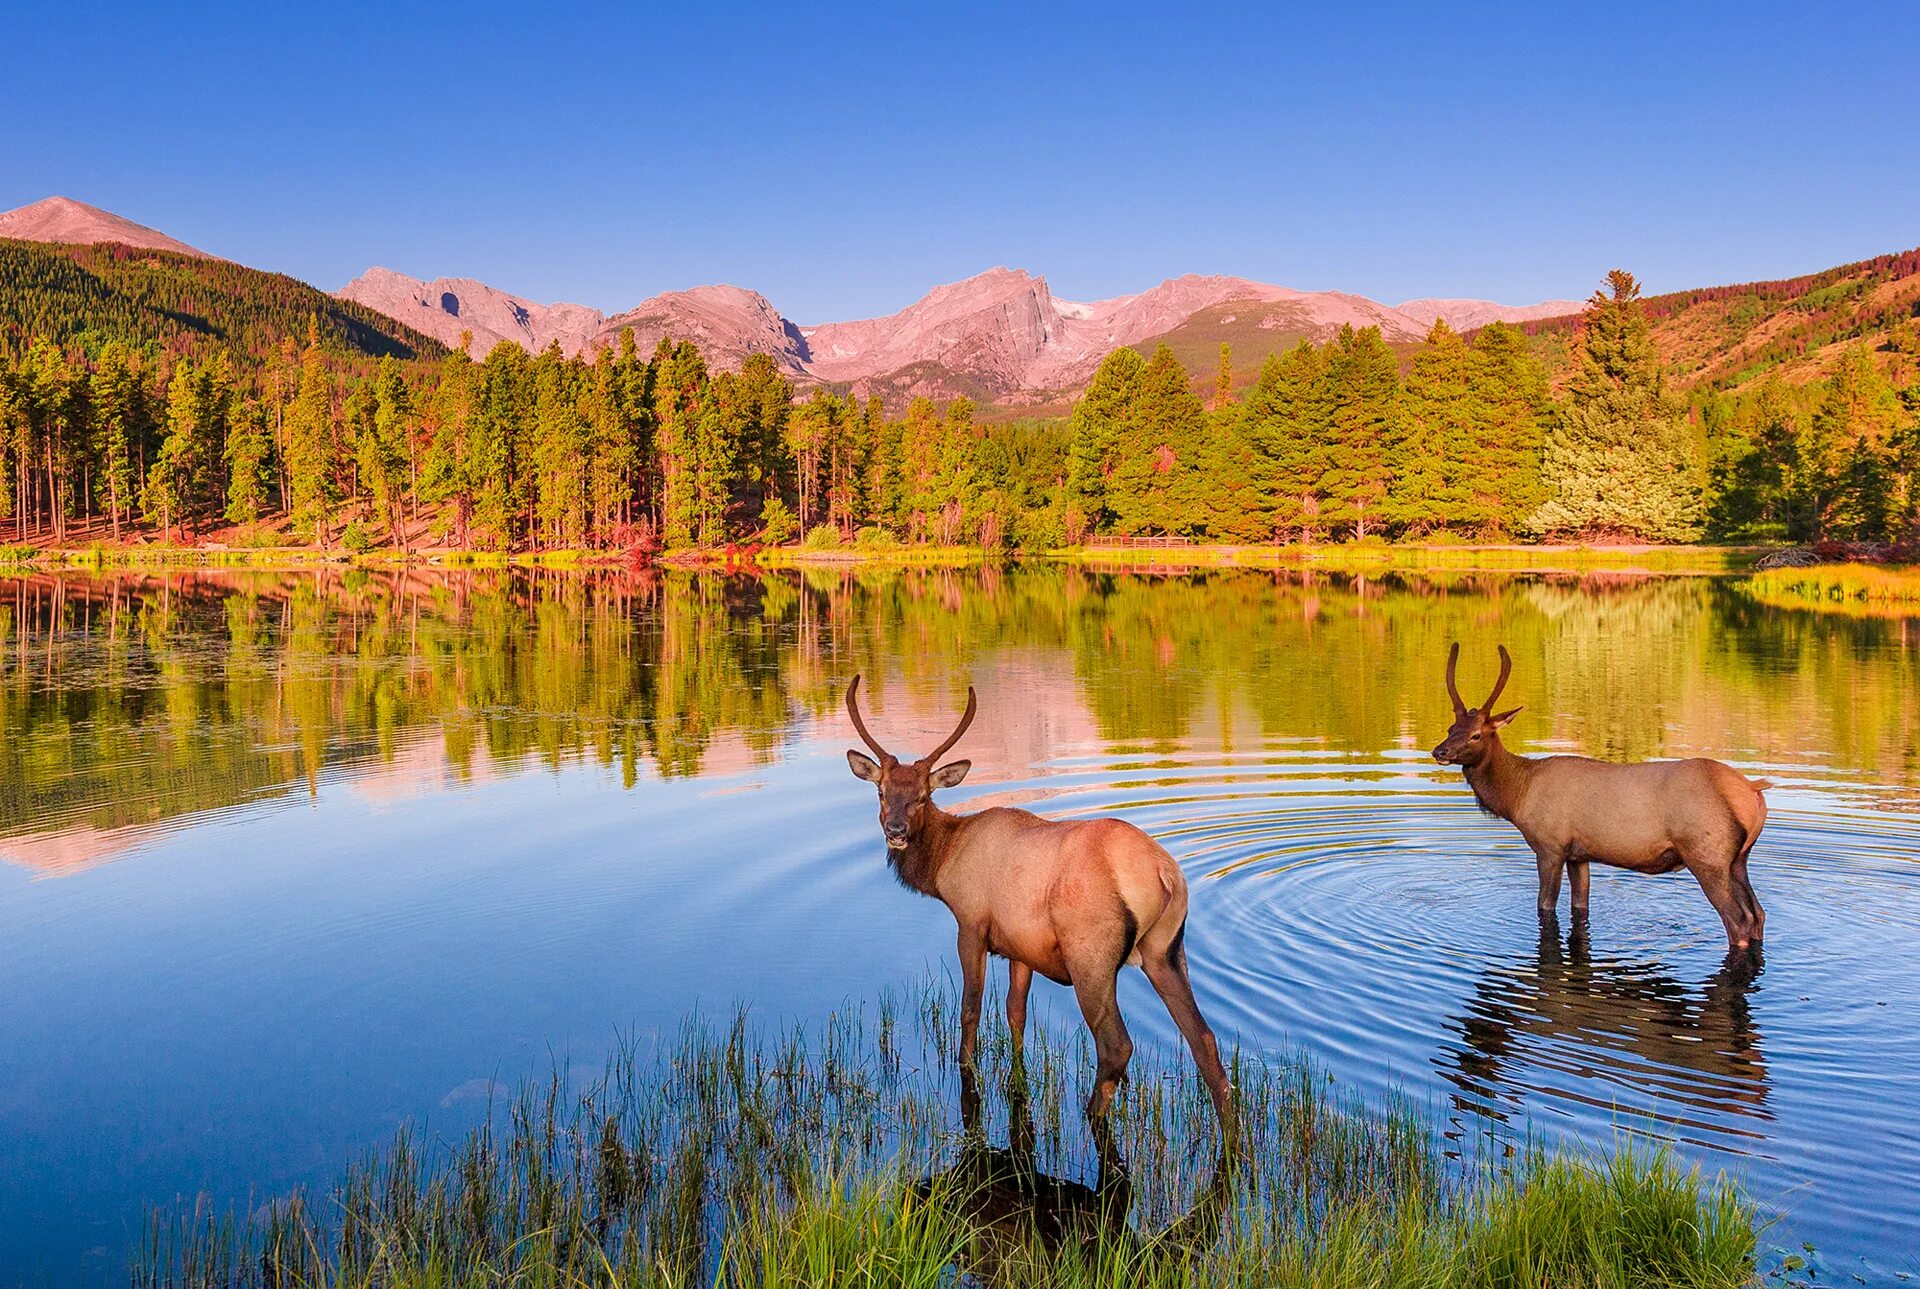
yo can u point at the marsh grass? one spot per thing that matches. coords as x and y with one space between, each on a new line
1374 556
743 1157
1862 590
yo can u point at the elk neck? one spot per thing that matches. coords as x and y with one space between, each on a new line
919 864
1497 781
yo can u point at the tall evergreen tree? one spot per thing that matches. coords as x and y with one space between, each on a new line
1621 458
313 484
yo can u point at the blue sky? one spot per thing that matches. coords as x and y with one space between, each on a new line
844 158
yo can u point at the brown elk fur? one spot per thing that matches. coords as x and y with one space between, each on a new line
1649 817
1073 901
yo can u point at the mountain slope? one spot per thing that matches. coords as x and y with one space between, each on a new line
1469 315
727 322
1724 336
446 307
62 219
188 303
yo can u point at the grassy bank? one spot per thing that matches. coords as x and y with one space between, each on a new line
1866 590
1354 557
832 1158
1367 557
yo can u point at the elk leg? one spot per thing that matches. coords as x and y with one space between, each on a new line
1094 988
973 978
1718 886
1168 972
1019 980
1549 865
1579 881
1756 916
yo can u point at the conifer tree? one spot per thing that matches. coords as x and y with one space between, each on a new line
249 455
313 485
1621 458
1099 424
1432 453
1363 380
122 422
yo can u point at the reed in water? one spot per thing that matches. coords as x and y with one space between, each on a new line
739 1157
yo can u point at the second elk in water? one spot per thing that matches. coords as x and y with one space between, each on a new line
1650 817
1075 901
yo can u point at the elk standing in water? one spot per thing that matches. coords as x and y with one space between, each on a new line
1651 817
1074 901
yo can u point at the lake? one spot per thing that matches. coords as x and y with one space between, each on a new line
288 859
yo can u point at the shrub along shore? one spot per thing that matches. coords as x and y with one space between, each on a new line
736 1157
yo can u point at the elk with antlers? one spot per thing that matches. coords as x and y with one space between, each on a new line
1075 901
1650 817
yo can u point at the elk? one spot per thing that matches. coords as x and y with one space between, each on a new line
1647 817
1074 901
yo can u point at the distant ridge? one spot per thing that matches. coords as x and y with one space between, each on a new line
62 219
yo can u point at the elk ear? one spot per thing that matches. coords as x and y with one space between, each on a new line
863 766
949 775
1499 719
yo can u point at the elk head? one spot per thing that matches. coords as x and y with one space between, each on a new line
1475 732
906 788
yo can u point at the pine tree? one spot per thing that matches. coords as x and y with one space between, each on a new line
1099 424
1161 463
1512 406
1432 454
249 454
1363 384
381 449
1621 458
446 474
1223 379
313 485
122 423
1287 420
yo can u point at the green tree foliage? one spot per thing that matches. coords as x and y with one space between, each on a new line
616 449
249 455
312 453
1621 458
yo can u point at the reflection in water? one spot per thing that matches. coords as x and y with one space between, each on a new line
134 699
1017 1214
1687 1052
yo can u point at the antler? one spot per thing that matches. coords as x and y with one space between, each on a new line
1453 688
853 710
1506 669
954 737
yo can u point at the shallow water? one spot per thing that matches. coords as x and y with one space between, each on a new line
288 859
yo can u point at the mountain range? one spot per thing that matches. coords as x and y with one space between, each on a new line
999 336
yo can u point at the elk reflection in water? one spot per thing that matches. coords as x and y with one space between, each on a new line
1017 1214
1667 1045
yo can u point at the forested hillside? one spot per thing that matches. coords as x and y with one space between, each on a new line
200 433
85 296
1727 336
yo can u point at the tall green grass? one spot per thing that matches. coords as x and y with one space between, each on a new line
743 1158
1862 590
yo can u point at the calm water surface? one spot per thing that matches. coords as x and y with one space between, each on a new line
289 859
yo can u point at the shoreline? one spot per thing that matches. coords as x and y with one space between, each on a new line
1358 558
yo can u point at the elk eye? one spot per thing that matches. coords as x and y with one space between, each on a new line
1474 737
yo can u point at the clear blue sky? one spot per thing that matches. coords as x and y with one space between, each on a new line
842 159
